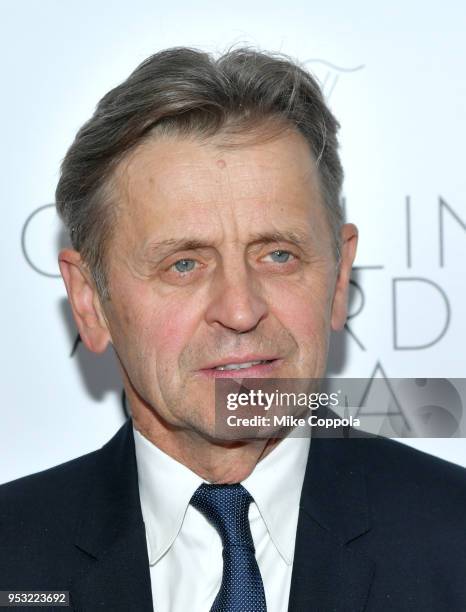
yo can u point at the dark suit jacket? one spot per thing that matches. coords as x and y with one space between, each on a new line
381 527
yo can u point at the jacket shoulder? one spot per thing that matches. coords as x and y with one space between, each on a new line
397 455
41 514
410 485
44 497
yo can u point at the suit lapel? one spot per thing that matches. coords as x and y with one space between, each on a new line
327 575
111 534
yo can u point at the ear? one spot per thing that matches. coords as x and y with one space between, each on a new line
84 300
349 241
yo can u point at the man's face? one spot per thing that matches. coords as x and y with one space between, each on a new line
220 255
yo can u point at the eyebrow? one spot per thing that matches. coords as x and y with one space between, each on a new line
297 237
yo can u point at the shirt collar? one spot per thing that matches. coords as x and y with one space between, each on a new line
163 505
275 484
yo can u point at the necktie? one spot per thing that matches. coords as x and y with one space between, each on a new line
227 507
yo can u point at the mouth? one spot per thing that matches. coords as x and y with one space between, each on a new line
254 368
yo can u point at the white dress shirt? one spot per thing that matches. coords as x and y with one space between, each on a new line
185 550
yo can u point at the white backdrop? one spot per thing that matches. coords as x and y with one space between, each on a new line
394 76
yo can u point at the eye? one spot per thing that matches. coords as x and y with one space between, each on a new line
280 256
184 265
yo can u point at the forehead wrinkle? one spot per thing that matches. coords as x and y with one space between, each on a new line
145 185
247 180
239 181
265 180
248 183
296 234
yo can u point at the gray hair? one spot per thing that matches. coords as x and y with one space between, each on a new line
187 91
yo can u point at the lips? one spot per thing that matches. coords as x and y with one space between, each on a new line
240 368
232 360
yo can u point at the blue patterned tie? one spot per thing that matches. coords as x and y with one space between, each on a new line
227 507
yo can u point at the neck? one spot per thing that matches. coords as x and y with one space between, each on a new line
219 462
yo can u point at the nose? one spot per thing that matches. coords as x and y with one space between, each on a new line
236 300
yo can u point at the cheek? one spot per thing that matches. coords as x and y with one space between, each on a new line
306 310
171 328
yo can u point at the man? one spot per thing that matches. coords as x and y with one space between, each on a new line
202 199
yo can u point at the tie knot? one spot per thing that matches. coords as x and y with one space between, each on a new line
227 508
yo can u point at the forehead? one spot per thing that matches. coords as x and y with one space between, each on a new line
172 181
